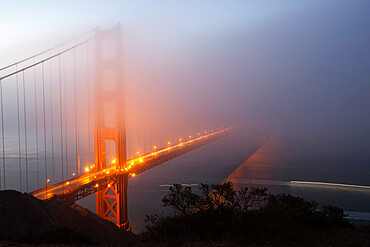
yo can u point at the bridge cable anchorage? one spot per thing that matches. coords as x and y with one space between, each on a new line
45 51
2 123
43 104
61 117
19 136
36 128
25 129
44 60
51 120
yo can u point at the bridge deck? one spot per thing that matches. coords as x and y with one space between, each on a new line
90 182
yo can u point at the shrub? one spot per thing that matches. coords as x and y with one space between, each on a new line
220 212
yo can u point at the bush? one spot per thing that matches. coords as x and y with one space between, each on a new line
250 214
335 216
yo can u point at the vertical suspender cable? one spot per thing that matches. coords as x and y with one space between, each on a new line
130 139
75 101
37 135
78 142
150 135
3 164
61 117
145 141
19 137
88 100
133 136
52 122
43 105
66 125
2 130
25 129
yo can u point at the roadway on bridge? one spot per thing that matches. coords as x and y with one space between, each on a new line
92 175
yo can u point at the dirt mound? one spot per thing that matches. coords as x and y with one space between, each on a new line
23 218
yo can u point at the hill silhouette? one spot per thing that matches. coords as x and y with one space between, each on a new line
25 219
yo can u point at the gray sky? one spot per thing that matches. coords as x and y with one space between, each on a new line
290 68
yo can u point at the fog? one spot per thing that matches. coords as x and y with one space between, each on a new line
295 70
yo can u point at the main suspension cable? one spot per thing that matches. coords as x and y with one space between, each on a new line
43 52
44 60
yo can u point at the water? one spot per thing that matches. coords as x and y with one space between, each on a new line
239 158
218 161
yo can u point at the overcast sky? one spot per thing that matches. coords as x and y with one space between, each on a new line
293 68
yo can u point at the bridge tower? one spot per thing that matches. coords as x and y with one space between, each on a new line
110 129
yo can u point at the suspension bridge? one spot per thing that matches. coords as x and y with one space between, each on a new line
65 133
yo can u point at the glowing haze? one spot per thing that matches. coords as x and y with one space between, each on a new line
288 68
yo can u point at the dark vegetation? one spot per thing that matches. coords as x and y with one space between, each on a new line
221 216
217 216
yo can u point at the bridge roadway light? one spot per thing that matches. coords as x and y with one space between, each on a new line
46 192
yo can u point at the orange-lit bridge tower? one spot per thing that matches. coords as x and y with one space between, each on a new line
110 129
